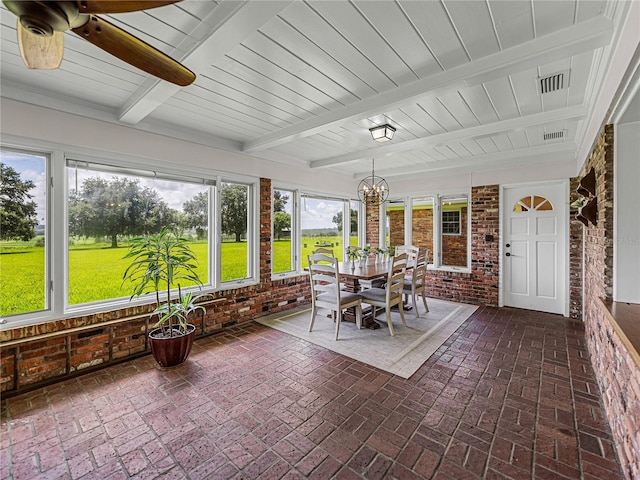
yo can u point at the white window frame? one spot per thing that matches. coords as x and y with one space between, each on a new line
436 255
346 214
49 301
57 241
253 232
295 233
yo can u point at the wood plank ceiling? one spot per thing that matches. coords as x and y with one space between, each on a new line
303 81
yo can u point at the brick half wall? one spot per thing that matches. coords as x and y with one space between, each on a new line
615 362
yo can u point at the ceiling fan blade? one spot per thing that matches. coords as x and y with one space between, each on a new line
40 52
134 51
120 6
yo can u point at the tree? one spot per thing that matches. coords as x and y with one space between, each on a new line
279 201
18 217
337 219
119 206
281 222
196 212
234 210
281 219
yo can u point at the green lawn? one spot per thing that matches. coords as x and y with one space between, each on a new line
97 269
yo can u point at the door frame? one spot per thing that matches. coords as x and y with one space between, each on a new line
563 219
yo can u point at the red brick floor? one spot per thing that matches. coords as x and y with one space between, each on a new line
511 394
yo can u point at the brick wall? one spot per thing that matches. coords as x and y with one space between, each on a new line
616 365
598 242
422 228
454 247
372 232
575 255
396 227
617 370
481 285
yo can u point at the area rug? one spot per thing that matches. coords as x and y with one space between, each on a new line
400 355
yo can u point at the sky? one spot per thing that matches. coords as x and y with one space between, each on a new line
316 213
32 168
174 197
319 213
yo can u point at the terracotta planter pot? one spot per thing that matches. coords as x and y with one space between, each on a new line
171 351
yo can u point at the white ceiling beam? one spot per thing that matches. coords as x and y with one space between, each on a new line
579 38
226 26
521 156
561 114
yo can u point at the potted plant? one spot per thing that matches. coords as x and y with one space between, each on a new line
379 254
352 254
364 255
159 262
390 251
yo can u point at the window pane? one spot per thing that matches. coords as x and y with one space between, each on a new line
454 230
422 224
395 223
353 235
282 255
23 233
234 254
321 226
106 210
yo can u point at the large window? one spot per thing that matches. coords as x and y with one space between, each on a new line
67 222
322 225
23 233
235 259
437 222
454 231
107 206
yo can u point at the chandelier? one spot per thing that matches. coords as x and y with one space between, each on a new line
373 190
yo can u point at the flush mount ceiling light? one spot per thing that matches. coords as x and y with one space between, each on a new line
382 133
373 190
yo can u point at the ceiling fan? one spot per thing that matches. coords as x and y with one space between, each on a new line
41 26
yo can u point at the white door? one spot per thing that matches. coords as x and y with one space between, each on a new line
534 247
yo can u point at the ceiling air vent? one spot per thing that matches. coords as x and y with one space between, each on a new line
553 83
553 135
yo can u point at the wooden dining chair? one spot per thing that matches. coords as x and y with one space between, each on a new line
391 294
330 253
412 254
324 251
415 284
325 291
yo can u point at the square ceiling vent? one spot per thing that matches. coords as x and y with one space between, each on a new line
553 83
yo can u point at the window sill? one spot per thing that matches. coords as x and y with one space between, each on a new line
286 276
449 269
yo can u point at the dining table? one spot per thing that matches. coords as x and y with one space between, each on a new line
352 273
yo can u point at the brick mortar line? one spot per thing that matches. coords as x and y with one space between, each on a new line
494 435
448 446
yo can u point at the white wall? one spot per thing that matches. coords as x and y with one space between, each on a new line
37 126
33 126
626 247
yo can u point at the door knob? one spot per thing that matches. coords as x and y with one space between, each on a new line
508 254
508 245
